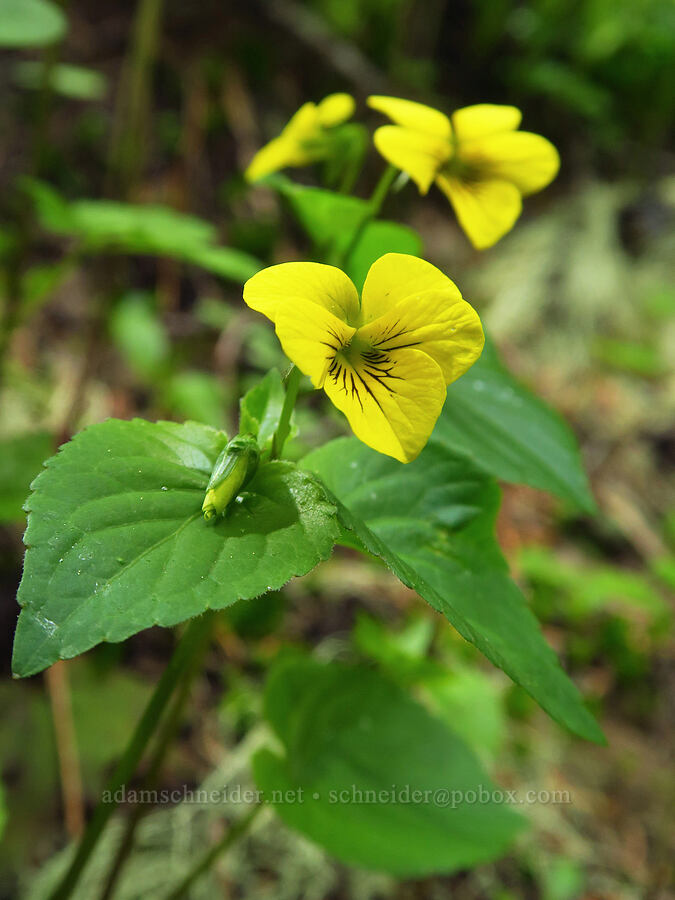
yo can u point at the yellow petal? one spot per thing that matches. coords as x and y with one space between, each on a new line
483 119
281 287
527 160
420 155
303 124
436 322
278 154
335 109
311 336
288 148
486 209
415 116
394 412
396 276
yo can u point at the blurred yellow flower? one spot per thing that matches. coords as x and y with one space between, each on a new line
383 360
306 138
477 158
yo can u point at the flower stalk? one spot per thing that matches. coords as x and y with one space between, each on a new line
284 426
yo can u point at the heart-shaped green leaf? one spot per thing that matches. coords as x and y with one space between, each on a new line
117 541
375 779
432 522
512 434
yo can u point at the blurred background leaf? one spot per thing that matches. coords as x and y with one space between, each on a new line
30 23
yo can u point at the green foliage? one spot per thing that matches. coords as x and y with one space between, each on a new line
511 433
39 283
562 879
587 589
608 612
349 734
117 541
196 395
432 522
30 23
466 698
339 226
109 226
140 336
471 704
401 653
256 618
21 459
631 356
376 239
594 67
328 218
74 82
260 409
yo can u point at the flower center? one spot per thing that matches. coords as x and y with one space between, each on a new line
463 170
358 366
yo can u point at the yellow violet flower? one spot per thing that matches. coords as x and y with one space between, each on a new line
305 139
383 360
477 158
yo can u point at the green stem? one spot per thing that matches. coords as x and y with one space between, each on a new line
128 142
284 426
374 206
9 315
162 745
381 190
188 645
202 865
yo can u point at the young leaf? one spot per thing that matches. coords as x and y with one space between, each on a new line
117 541
333 221
261 407
109 226
30 23
432 522
384 784
465 697
74 82
140 336
376 239
511 433
196 395
330 219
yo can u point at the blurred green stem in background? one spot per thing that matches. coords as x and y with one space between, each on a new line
128 149
196 634
163 743
375 202
381 190
234 832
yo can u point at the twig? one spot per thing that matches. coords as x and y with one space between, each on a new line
66 746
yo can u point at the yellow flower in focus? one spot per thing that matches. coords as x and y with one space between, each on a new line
384 360
477 157
306 138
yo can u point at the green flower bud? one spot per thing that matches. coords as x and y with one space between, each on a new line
233 470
